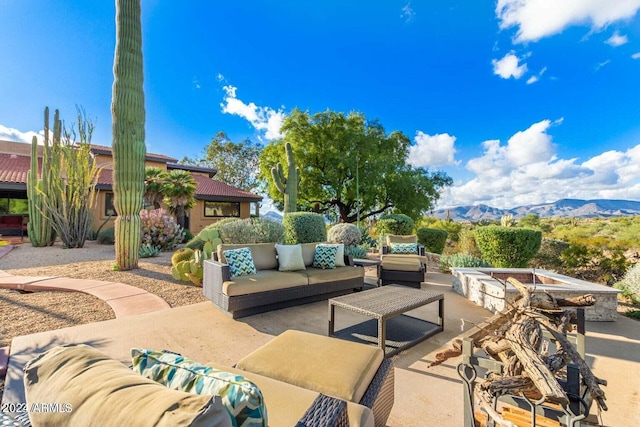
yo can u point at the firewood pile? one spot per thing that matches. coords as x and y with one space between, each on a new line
531 366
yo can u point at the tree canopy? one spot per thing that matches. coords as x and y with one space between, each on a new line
346 160
236 162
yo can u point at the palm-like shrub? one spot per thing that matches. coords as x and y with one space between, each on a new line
154 181
507 247
179 192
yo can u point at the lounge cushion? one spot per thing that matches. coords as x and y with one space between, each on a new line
264 280
400 263
308 251
287 403
263 254
101 391
325 257
290 257
242 399
331 366
396 238
240 262
318 275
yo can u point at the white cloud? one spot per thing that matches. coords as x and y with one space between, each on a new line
196 83
537 19
265 120
636 55
532 80
508 66
407 13
527 171
601 64
616 40
436 150
10 134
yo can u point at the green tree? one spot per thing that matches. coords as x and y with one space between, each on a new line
179 190
349 165
154 182
237 163
128 116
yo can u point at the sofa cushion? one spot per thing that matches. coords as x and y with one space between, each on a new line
332 366
290 257
242 399
308 252
264 280
403 248
396 238
94 389
325 257
263 254
319 275
240 262
287 403
339 253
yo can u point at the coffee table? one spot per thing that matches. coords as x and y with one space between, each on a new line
390 328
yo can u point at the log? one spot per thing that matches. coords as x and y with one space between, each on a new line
533 364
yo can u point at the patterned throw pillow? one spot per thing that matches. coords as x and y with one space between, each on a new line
241 398
403 248
240 262
325 257
339 253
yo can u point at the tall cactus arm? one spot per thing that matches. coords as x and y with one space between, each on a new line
278 177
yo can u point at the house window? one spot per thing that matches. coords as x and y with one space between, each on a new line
109 210
14 206
221 209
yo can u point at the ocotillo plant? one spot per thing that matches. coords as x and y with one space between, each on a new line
39 228
288 185
128 115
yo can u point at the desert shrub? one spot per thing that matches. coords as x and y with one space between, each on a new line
447 262
366 240
147 250
195 243
549 255
467 242
507 247
355 251
303 227
630 284
160 230
106 236
593 264
188 235
395 224
348 234
432 239
252 230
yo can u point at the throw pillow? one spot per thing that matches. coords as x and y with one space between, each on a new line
404 248
325 257
339 253
240 262
242 398
290 257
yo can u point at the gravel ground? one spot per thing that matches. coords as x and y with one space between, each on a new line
26 313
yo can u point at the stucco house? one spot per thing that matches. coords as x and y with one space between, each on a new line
215 200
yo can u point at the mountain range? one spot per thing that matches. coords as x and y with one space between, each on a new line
572 208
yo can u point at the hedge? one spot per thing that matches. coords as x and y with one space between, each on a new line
507 247
432 239
303 227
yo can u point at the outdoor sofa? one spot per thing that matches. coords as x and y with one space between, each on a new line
297 379
269 288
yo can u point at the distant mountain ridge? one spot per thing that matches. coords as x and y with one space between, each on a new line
571 208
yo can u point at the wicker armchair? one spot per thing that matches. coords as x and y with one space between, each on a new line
402 268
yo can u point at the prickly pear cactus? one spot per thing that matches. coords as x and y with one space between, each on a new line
211 241
183 254
288 185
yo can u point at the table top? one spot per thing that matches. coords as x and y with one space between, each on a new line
365 262
386 301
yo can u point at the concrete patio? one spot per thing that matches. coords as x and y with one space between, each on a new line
424 396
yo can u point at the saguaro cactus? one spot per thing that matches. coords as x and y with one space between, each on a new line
39 228
288 185
128 115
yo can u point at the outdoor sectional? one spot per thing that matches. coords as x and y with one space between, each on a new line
271 289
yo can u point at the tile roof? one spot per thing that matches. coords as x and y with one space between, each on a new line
103 149
14 168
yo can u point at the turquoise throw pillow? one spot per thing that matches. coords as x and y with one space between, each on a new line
325 257
241 398
404 248
240 262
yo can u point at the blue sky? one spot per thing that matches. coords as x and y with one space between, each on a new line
519 101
